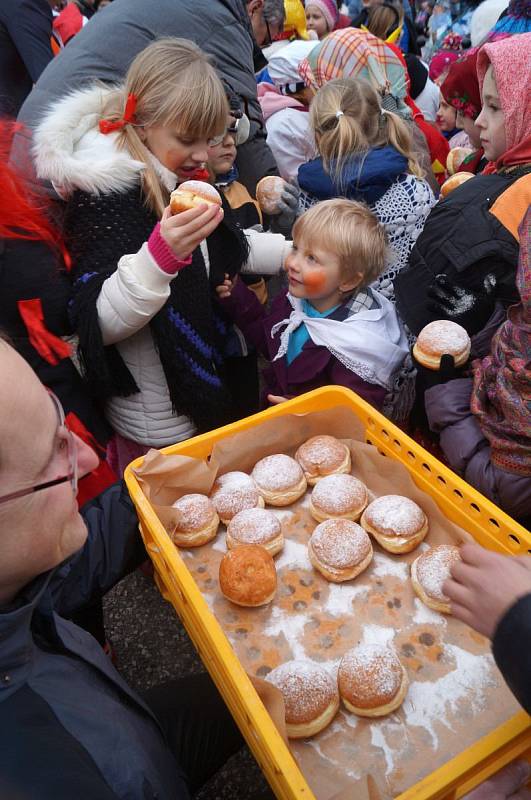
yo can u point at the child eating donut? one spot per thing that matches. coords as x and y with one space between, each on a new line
329 327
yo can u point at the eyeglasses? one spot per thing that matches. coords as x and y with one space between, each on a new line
67 437
239 132
269 39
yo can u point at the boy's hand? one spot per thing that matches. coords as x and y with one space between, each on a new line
225 289
287 210
185 231
484 585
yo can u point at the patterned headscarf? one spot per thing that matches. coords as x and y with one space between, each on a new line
353 53
511 62
460 88
501 398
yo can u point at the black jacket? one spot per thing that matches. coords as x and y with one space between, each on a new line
464 241
511 646
25 50
70 726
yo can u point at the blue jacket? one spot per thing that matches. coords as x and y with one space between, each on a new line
70 726
366 177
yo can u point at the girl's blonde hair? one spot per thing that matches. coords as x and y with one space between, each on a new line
176 85
347 118
383 20
350 231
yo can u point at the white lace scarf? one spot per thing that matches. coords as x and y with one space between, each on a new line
370 343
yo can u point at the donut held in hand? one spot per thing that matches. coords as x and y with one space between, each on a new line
397 523
197 521
280 479
255 526
192 194
455 158
440 338
269 194
429 572
339 549
311 698
372 681
338 497
456 180
247 576
321 456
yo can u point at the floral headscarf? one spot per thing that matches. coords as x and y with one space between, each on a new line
353 53
460 88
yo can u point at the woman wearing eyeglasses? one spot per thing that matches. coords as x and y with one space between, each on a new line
143 300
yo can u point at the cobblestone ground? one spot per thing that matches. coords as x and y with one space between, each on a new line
152 647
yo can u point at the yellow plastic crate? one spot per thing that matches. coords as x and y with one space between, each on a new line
490 526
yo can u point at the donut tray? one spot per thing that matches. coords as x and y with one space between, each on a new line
458 502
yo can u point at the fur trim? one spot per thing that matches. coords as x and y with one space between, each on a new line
71 153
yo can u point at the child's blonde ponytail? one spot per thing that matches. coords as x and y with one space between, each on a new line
347 119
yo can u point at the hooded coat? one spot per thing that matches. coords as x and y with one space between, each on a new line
104 50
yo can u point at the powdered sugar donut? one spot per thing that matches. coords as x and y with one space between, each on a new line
280 479
234 492
255 526
372 681
191 194
323 455
196 522
269 193
310 695
339 549
428 573
440 338
397 523
338 497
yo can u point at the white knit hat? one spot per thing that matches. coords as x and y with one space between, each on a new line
283 66
328 9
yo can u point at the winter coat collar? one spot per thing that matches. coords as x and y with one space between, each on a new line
365 177
71 153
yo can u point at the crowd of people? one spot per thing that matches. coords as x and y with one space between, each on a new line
125 327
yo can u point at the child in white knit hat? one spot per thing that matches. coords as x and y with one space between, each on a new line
321 17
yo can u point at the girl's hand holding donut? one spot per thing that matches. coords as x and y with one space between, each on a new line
185 231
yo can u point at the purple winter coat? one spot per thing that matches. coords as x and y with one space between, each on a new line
468 451
314 367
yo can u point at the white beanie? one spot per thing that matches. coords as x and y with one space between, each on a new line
283 66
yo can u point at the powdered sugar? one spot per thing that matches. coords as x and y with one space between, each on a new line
443 336
338 494
385 565
425 616
340 543
370 674
377 635
277 473
233 480
394 515
341 597
292 630
433 569
321 455
307 689
200 188
195 511
254 526
429 704
294 556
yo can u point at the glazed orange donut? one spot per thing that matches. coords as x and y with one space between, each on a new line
397 523
339 549
372 681
247 576
310 695
255 526
197 521
323 455
428 573
232 493
439 338
280 479
338 497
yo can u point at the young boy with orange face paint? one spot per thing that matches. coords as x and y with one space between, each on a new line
329 327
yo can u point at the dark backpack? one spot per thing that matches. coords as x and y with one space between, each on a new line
464 241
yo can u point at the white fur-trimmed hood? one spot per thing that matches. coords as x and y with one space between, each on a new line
71 153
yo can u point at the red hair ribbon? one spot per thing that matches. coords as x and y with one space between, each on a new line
50 347
129 114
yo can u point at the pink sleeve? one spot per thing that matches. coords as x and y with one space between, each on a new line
163 254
